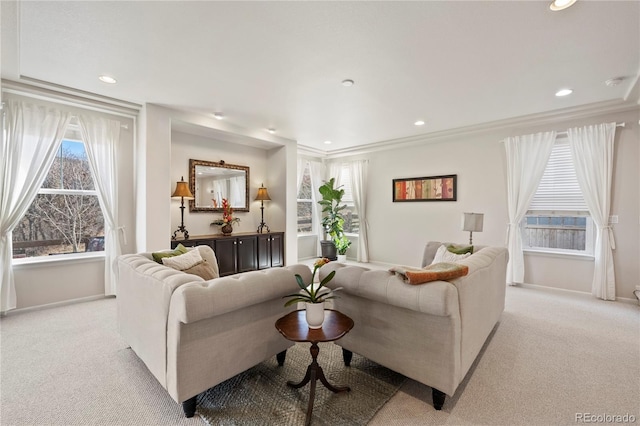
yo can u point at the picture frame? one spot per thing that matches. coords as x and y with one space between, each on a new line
428 188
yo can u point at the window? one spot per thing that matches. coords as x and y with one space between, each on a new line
351 223
305 203
65 217
558 218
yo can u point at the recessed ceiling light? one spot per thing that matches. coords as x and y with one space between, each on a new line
557 5
347 83
327 142
563 92
107 79
218 115
419 123
271 130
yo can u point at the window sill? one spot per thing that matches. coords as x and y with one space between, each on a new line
307 235
559 254
51 260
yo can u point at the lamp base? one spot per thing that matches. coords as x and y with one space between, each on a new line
184 231
262 227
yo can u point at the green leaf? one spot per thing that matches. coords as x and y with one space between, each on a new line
328 278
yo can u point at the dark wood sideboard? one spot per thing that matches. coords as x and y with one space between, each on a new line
241 252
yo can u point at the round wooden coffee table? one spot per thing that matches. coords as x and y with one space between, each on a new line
294 327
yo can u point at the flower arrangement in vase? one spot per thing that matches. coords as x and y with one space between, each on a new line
312 295
227 220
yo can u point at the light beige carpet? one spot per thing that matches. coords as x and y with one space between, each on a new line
553 355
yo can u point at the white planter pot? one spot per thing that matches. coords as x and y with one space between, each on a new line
342 258
315 314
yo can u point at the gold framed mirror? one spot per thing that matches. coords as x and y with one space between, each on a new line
210 182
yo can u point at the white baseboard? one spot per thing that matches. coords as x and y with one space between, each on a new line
57 304
564 290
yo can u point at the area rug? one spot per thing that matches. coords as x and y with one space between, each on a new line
260 395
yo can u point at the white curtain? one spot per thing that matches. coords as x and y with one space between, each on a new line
358 173
527 158
592 153
301 165
101 137
317 170
334 171
32 135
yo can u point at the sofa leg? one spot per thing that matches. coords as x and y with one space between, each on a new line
346 356
438 398
280 356
189 406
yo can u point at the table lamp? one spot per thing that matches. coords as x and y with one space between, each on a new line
472 222
262 196
182 191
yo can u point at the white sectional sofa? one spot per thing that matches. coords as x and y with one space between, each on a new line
193 334
430 332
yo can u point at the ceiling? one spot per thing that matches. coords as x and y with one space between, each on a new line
280 64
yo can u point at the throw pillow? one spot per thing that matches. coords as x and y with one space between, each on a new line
158 256
442 271
204 270
455 249
437 272
444 255
184 261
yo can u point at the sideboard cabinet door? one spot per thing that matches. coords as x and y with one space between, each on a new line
277 250
225 250
264 251
247 257
270 250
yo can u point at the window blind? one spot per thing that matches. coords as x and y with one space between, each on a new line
559 189
345 181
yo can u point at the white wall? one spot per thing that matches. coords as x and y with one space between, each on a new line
398 231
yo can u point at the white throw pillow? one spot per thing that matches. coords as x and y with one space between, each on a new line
442 255
184 261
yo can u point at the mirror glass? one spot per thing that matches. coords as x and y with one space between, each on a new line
210 182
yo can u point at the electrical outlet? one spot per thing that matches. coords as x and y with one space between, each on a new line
613 219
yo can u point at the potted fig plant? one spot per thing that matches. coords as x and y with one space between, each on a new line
332 218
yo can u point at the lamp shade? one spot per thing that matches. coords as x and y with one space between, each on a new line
263 195
472 222
182 191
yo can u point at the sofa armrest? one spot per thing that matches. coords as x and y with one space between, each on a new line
144 293
207 299
481 296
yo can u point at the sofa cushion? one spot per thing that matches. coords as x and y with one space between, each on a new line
191 263
444 255
184 261
159 255
435 272
203 269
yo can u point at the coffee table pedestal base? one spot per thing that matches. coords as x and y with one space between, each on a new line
314 373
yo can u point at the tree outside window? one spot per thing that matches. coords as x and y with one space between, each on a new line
65 216
305 203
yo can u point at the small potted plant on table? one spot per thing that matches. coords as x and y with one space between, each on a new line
313 295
